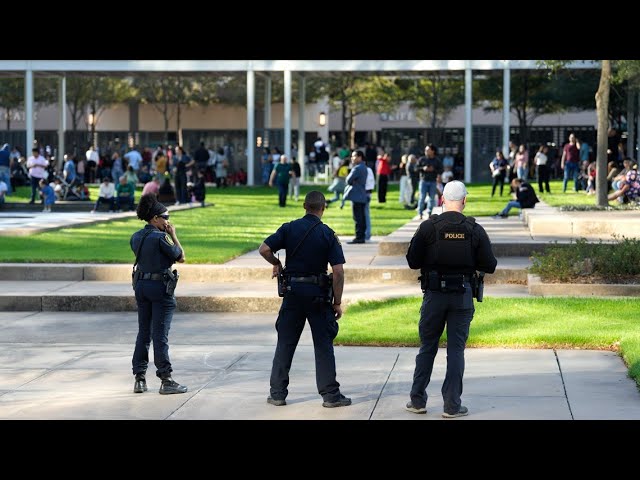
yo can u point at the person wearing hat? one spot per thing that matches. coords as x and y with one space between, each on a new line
448 249
157 248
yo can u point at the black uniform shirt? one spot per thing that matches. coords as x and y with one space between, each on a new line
422 249
319 248
158 250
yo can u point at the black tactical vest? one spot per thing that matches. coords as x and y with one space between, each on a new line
454 245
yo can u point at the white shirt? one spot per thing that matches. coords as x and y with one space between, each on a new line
106 190
36 166
541 158
370 184
92 155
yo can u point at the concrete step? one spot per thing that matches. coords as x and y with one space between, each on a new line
380 269
257 296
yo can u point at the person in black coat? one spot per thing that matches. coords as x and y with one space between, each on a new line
525 197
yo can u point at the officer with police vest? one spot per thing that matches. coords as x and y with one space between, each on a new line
310 295
448 249
157 248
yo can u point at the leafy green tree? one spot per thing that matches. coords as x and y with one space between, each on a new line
12 94
103 93
535 93
602 111
356 94
78 98
433 97
170 94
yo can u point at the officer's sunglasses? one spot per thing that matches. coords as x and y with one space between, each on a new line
165 216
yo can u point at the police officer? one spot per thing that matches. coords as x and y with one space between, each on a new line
448 249
309 246
157 248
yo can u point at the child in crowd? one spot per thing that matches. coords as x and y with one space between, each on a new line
47 194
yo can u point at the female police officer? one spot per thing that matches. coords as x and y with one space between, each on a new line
156 247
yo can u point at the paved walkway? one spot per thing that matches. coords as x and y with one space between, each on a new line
77 365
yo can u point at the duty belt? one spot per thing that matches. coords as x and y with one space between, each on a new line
151 276
314 279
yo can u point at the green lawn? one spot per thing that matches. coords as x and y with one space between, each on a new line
585 323
241 219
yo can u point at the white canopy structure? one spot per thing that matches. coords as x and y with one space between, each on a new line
62 68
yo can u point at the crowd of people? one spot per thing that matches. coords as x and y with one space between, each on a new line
170 173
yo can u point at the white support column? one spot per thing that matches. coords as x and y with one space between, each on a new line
506 108
631 113
28 110
468 124
302 94
62 120
287 113
251 113
637 152
267 102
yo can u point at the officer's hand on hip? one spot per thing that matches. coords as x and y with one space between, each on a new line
337 310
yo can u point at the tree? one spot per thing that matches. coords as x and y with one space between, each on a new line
78 97
104 92
602 111
159 92
433 97
12 94
535 93
356 94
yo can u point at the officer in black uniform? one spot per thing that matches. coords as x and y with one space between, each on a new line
309 246
448 249
159 248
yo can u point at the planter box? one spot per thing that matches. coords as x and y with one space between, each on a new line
537 287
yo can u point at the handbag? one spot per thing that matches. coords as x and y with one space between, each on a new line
496 173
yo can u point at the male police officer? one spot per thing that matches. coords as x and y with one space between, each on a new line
448 249
309 294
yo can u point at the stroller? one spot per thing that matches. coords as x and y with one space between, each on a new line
69 191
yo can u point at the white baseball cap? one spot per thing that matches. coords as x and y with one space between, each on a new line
454 191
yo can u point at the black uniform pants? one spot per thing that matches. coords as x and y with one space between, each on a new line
324 328
359 219
456 311
155 312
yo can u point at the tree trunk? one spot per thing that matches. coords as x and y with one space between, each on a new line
602 109
178 126
92 127
352 129
344 121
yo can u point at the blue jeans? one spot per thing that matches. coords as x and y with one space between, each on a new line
5 176
367 218
570 170
430 188
510 205
155 312
523 172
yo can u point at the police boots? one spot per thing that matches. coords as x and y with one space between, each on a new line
141 383
170 386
